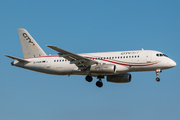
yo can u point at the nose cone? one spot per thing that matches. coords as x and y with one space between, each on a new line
172 63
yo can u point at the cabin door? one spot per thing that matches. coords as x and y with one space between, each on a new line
149 57
48 62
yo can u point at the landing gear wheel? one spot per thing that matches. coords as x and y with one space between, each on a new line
99 84
157 74
89 78
157 79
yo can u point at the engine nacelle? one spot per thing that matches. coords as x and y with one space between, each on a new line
104 68
120 78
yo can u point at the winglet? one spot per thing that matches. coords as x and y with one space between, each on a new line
18 59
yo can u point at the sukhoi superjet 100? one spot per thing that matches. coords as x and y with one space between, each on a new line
114 66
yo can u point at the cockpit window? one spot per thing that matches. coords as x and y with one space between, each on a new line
161 55
165 55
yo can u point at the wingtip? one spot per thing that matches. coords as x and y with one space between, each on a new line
6 55
49 45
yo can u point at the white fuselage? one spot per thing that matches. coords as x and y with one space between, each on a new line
112 65
125 61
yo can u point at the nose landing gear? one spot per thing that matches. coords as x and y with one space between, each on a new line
157 74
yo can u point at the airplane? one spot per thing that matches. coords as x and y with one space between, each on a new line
115 66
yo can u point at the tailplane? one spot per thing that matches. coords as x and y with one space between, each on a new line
29 46
18 59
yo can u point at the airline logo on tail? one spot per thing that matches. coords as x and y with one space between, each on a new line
27 38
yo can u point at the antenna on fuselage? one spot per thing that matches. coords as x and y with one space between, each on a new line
142 49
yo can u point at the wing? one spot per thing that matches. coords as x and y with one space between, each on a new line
81 62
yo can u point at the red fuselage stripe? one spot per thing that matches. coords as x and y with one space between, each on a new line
123 63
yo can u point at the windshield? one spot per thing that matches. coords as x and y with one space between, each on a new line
161 55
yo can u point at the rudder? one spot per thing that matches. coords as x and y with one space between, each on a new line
29 46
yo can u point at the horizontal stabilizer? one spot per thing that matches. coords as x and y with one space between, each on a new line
18 59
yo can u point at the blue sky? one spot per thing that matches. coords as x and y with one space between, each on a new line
89 26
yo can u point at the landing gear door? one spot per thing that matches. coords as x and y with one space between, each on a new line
48 63
149 57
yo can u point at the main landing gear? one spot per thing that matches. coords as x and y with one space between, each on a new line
157 74
89 78
98 83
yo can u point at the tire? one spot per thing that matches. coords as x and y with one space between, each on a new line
99 84
89 78
157 79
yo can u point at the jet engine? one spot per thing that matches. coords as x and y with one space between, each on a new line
120 78
103 68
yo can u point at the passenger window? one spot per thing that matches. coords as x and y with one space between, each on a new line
129 56
54 60
126 56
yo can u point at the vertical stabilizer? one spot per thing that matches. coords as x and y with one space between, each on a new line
29 46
